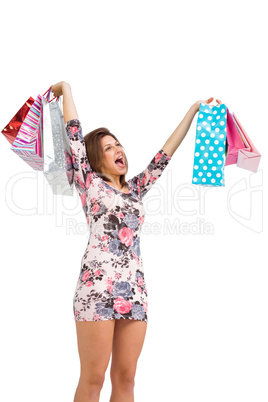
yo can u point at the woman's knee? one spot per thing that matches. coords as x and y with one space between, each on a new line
123 378
89 387
93 381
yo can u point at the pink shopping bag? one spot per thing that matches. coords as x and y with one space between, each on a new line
28 142
248 156
233 139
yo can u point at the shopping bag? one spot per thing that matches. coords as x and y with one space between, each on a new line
58 167
233 140
12 128
210 145
248 156
27 144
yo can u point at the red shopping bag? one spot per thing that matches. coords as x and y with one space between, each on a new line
12 128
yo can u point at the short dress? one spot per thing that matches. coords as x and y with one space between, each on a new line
111 282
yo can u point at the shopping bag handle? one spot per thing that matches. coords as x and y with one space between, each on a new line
48 95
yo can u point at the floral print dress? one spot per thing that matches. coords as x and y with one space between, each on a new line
111 283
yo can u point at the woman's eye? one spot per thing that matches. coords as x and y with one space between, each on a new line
117 145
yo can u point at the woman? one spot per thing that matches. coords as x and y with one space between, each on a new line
110 301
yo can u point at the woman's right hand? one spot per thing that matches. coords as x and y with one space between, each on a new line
206 102
57 89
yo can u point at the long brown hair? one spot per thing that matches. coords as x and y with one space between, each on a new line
95 152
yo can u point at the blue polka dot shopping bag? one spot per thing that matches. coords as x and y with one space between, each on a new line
210 145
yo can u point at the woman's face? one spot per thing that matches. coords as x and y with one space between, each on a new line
112 150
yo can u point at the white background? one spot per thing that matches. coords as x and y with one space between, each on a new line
136 68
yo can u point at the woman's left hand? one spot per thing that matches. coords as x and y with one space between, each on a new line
197 104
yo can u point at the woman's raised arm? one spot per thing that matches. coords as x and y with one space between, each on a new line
69 109
81 165
174 141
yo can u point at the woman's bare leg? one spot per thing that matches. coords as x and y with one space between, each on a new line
128 340
95 339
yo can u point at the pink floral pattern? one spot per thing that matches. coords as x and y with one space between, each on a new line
111 282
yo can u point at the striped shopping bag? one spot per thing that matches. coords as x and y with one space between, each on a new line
28 143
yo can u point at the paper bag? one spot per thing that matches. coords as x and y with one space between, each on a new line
210 145
27 144
58 168
12 128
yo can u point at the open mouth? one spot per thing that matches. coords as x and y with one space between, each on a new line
120 162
